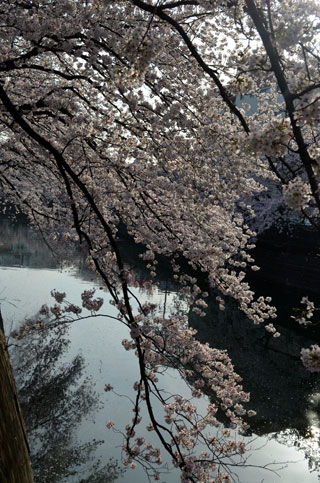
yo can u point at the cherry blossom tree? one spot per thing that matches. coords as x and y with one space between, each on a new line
127 114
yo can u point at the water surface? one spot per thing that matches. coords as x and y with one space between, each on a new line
285 396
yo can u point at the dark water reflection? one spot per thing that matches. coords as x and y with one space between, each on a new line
285 396
282 390
272 372
55 397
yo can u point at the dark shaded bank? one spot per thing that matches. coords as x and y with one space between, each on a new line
290 258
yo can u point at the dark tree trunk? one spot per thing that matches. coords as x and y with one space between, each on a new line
15 464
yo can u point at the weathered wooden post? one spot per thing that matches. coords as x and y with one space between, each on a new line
15 464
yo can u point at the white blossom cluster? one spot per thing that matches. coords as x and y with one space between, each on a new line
296 194
271 140
202 366
305 315
308 108
311 358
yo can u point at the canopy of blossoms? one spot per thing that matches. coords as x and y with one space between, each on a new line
126 113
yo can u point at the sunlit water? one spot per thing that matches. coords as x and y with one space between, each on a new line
24 289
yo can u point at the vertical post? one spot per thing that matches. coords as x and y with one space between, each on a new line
15 463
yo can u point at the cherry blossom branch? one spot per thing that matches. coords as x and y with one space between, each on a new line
272 53
181 3
66 169
194 52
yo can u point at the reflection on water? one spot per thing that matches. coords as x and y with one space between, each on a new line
55 397
272 372
20 247
283 393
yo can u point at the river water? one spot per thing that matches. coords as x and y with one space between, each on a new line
62 376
